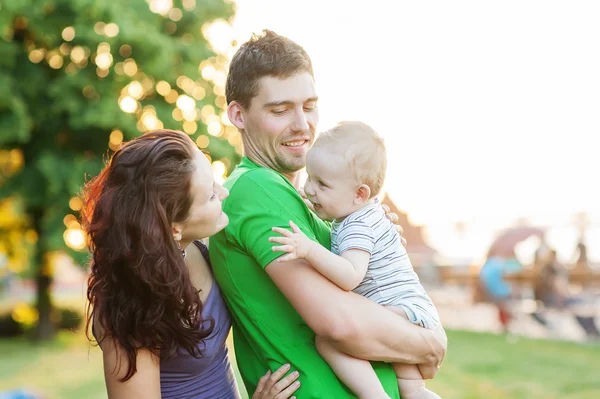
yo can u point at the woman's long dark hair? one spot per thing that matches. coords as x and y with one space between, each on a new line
139 290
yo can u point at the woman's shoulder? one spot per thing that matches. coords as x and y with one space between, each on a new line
203 248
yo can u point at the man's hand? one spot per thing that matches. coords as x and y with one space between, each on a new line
438 346
392 217
295 243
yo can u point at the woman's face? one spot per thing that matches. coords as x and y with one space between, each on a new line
206 216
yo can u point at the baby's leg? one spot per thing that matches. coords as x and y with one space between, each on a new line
410 380
357 374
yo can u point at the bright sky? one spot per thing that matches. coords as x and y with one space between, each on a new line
489 109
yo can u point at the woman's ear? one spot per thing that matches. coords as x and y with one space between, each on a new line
236 117
177 230
363 194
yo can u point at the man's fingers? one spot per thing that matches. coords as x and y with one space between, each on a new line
400 231
428 371
392 217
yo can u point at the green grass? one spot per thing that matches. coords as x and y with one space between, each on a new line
477 366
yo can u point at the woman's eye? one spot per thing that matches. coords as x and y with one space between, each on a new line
214 196
278 111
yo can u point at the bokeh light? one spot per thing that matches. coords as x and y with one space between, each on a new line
68 33
111 30
128 104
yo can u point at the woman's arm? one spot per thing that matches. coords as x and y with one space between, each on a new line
145 383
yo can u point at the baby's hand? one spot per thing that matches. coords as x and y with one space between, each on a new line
295 243
306 200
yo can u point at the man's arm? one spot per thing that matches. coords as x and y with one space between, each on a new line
356 325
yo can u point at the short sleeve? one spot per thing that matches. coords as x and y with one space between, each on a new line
259 201
355 234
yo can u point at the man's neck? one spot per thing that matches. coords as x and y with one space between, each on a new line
293 177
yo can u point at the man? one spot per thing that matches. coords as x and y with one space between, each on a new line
278 307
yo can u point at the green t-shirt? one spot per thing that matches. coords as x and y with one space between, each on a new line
268 332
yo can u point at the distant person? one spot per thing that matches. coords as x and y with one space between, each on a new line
550 286
581 262
495 288
542 254
346 169
552 291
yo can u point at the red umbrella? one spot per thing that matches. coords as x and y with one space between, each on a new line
504 244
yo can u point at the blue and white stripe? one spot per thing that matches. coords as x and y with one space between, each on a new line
390 279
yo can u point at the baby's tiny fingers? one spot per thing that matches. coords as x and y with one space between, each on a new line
283 248
279 240
285 258
295 228
283 232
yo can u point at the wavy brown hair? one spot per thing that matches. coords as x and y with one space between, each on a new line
268 54
139 290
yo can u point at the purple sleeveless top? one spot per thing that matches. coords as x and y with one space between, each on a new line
211 376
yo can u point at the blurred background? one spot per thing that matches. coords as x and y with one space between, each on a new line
489 112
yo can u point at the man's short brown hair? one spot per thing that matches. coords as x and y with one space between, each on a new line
263 55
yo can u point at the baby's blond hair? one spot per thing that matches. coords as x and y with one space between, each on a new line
361 148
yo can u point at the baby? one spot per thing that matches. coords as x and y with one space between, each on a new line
346 169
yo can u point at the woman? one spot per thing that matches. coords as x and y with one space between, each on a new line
154 308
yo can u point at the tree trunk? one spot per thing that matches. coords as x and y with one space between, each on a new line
45 328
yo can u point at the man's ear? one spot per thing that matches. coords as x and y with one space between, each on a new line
363 194
235 114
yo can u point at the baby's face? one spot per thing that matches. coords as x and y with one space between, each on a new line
331 185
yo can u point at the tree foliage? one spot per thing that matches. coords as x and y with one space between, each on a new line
77 77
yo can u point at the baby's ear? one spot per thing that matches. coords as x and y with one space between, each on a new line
363 194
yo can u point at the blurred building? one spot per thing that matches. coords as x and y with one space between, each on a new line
419 251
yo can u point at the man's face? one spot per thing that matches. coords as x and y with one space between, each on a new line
280 123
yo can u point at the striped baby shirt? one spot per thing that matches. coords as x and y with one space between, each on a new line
390 278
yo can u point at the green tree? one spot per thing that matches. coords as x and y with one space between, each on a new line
78 76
